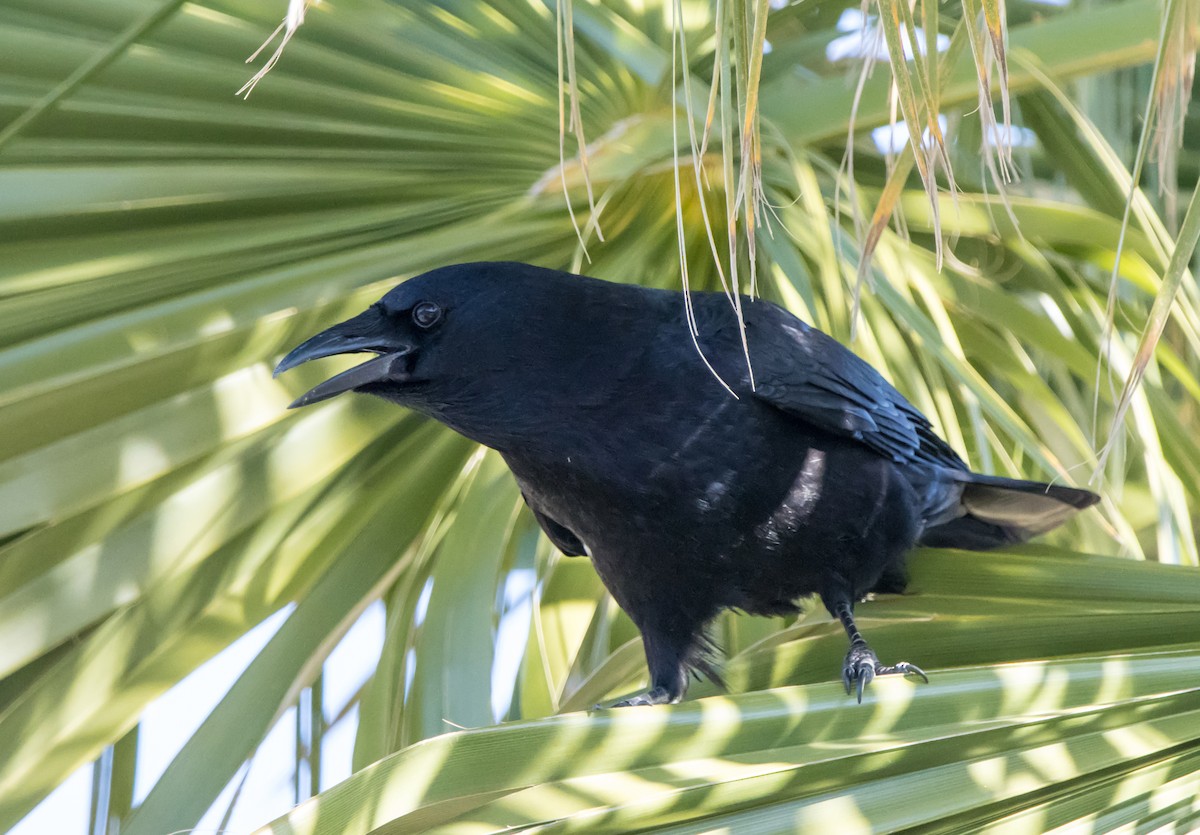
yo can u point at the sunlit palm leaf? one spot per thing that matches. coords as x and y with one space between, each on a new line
801 753
161 243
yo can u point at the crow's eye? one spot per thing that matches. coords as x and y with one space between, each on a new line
426 314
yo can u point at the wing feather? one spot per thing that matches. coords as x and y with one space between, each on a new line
807 374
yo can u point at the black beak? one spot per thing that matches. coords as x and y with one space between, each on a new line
365 333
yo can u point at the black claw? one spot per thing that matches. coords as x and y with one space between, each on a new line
903 668
862 666
653 696
640 700
858 669
865 677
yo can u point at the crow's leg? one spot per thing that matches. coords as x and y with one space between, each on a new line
861 664
668 670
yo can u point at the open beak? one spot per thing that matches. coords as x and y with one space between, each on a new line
365 333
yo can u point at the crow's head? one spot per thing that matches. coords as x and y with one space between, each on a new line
414 330
478 346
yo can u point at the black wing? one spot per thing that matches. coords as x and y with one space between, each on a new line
563 538
801 371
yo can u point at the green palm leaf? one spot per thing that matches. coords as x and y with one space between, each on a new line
162 243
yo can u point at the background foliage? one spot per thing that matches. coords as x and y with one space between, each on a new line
162 243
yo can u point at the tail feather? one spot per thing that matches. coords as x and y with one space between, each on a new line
999 511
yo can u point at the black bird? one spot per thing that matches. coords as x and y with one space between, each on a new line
690 497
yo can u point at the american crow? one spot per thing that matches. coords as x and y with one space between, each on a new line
689 497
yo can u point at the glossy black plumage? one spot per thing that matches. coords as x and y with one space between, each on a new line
689 497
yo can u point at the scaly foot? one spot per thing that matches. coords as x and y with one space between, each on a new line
862 665
653 696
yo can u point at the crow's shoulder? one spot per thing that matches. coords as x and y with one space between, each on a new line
812 377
